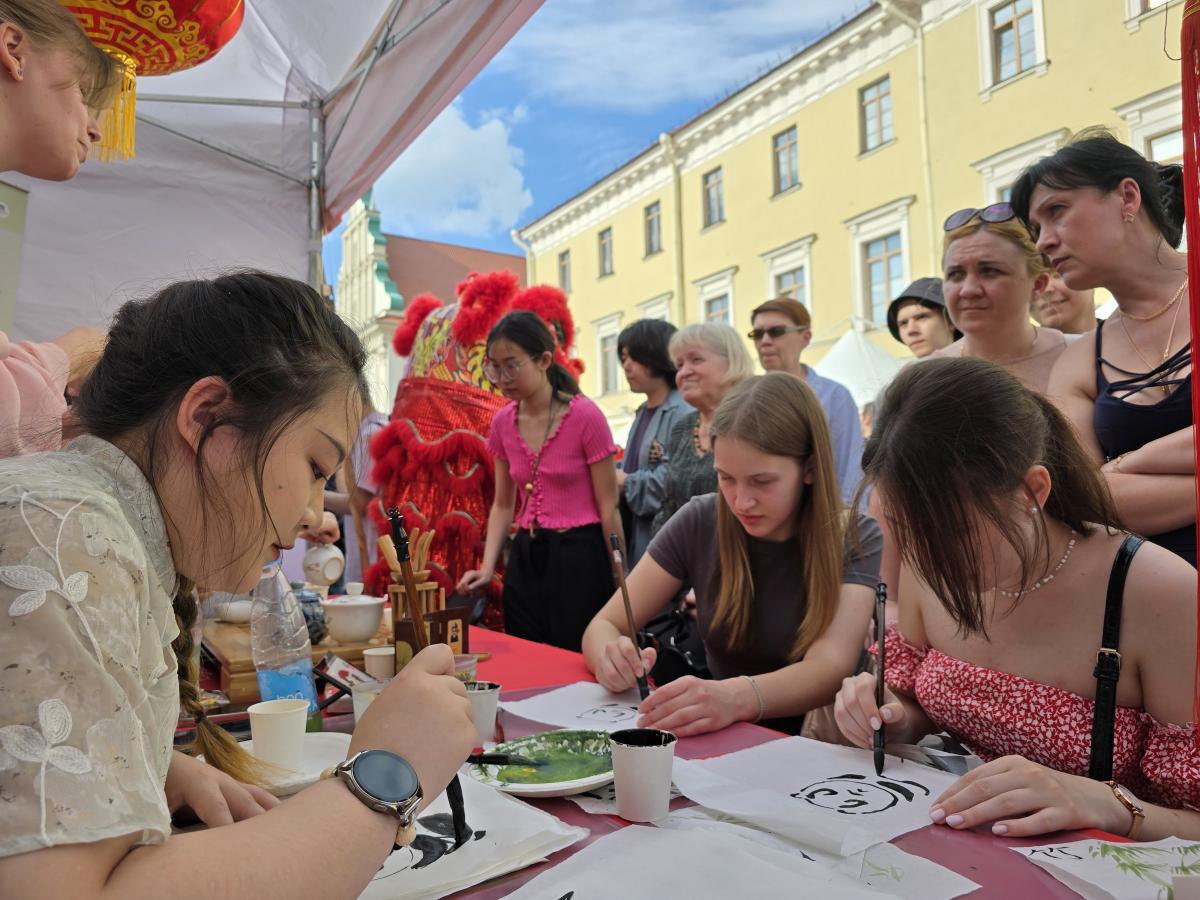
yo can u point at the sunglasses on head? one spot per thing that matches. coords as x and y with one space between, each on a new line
775 332
997 212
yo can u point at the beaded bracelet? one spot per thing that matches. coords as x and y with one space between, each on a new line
762 706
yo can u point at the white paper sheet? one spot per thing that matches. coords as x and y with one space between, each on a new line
580 705
652 863
883 866
819 795
1102 870
509 835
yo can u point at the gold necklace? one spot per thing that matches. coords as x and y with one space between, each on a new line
1165 388
537 459
1155 315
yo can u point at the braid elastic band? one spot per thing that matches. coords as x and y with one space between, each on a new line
762 706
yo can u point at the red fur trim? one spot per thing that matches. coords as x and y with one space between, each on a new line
551 304
377 578
418 308
483 299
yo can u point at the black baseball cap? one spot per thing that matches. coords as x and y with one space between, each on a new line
927 292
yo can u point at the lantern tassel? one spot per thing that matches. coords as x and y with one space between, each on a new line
120 120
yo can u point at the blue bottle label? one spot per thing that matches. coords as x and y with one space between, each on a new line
292 682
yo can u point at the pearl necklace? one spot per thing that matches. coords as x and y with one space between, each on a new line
1044 581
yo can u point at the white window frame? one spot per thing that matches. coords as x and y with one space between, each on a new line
794 255
600 271
1001 169
608 326
560 258
656 307
1152 115
1134 15
715 285
986 49
868 226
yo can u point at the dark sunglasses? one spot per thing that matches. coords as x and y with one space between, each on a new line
775 332
997 212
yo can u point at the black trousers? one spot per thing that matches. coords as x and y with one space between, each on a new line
554 583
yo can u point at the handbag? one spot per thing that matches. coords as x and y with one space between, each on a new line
675 635
1108 664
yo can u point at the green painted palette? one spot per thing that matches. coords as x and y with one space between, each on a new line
570 762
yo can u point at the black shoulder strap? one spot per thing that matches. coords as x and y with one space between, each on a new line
1108 664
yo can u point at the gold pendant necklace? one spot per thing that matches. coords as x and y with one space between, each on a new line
1155 315
1165 388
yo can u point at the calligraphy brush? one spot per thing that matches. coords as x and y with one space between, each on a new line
880 629
454 794
643 685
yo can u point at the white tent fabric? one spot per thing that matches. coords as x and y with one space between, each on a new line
184 208
862 367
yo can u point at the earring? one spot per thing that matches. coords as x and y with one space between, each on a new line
1128 218
1033 510
20 72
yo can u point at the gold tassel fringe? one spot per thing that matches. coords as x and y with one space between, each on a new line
120 120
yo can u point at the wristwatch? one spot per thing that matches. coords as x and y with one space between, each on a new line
386 783
1130 802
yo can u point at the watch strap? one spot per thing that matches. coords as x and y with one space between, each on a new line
1137 814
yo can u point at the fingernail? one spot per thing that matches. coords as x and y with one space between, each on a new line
937 814
875 724
999 829
954 820
887 714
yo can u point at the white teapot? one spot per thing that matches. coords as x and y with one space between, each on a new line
323 564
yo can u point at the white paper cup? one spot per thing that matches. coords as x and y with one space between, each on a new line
485 696
277 730
642 760
363 695
380 662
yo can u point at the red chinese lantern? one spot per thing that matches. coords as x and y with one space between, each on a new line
152 37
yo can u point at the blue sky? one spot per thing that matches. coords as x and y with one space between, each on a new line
582 88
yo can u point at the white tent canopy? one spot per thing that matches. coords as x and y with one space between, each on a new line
247 158
860 365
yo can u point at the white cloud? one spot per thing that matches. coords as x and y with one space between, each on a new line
637 56
457 178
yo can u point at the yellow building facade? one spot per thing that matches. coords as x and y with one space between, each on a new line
829 177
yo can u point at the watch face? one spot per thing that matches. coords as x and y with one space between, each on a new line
385 775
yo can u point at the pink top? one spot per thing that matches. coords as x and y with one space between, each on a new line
562 492
33 378
997 714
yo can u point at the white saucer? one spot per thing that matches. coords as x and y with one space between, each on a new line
322 749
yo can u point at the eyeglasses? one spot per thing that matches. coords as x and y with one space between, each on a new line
775 332
997 212
507 371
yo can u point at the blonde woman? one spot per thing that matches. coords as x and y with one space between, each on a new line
783 586
709 358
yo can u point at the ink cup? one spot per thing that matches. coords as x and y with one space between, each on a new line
642 759
484 697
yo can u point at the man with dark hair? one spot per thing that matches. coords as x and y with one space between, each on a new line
650 371
919 320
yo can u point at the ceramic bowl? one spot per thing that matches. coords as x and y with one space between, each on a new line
235 611
352 620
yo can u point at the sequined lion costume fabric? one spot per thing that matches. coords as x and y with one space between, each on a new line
431 459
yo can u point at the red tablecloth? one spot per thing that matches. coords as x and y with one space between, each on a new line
979 856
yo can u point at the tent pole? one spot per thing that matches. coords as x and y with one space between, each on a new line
222 101
316 225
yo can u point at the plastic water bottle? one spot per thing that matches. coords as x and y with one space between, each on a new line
279 644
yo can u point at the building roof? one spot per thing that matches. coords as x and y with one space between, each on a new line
431 267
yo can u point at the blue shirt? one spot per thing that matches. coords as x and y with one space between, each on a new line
845 429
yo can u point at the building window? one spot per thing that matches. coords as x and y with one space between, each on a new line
653 228
875 108
564 271
1166 148
1014 46
714 198
606 256
1001 169
883 273
792 284
716 309
610 364
787 160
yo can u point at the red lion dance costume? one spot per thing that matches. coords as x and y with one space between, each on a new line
431 459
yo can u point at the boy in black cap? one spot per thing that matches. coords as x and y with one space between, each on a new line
919 320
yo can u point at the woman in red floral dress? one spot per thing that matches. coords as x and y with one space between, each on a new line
1011 537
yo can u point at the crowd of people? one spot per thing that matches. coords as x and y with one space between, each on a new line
1008 473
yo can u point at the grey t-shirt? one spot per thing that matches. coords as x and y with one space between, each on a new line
686 548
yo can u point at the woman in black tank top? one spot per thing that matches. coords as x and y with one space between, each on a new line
1107 217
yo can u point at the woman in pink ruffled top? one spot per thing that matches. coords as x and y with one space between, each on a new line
555 473
1016 548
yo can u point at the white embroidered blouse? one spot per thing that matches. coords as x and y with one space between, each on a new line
88 693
